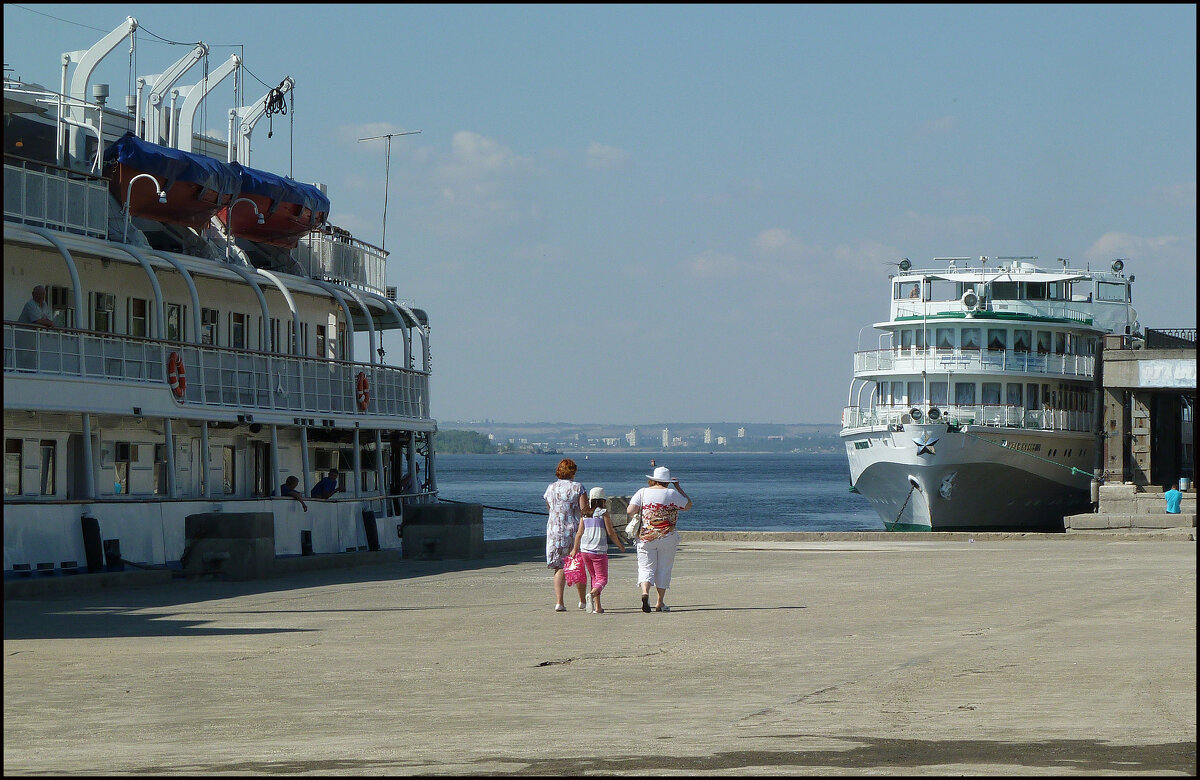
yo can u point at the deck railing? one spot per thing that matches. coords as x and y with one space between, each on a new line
57 198
1072 311
1170 338
976 361
990 415
220 377
343 259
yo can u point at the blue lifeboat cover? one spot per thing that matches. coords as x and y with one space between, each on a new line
171 165
281 189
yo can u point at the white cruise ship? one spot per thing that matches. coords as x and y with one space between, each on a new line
978 409
201 341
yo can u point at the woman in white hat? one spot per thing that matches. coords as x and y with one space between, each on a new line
660 503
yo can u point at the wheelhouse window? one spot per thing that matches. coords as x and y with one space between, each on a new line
1022 340
1004 291
103 306
964 393
970 338
12 467
1033 291
49 453
138 320
908 291
997 339
209 319
1112 291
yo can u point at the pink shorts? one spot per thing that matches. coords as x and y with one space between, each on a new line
596 565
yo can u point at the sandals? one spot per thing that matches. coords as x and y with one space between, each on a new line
559 608
646 603
662 608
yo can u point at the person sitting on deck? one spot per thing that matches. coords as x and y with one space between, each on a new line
327 486
36 312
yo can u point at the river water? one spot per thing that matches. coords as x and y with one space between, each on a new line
730 491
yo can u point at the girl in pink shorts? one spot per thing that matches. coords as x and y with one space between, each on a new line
591 540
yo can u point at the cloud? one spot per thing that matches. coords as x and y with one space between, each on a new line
603 156
778 241
1115 244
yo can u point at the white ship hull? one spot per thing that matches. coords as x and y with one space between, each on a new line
977 478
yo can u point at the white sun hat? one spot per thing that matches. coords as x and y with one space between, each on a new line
596 492
661 474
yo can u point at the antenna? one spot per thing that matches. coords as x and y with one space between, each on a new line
386 173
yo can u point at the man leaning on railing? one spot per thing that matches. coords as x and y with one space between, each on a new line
36 312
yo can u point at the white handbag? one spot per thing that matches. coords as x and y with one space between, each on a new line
634 527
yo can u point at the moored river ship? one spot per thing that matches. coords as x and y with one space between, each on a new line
981 411
202 342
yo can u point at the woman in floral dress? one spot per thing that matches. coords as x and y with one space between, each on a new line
566 500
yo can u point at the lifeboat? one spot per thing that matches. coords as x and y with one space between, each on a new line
289 208
196 186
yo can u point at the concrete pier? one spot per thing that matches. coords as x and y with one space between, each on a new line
815 654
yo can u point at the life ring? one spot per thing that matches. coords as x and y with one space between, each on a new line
176 377
364 391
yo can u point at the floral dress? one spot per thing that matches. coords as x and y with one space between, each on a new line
563 498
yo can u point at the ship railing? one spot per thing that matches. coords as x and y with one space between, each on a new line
220 377
44 195
341 258
915 360
987 415
1073 311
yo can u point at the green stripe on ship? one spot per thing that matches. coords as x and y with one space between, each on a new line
901 527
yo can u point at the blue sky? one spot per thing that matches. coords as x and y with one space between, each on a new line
641 214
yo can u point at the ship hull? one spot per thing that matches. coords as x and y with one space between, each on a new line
975 479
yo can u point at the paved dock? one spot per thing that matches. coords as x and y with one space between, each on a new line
961 655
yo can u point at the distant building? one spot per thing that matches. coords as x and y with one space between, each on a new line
722 441
666 437
741 433
676 442
631 438
708 437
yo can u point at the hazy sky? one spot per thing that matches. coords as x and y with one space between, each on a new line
641 214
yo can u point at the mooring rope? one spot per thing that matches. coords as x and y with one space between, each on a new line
485 506
1073 470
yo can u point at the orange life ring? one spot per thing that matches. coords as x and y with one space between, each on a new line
176 377
364 391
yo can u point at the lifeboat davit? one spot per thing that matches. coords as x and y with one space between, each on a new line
196 186
289 208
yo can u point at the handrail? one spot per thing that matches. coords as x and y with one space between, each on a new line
959 360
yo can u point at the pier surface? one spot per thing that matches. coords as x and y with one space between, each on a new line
966 655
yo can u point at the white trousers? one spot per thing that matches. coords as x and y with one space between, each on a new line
655 559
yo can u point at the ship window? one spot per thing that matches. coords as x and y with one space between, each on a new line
321 346
1111 291
62 306
908 290
1043 342
916 393
1013 396
945 338
997 338
991 393
160 469
125 453
1022 340
174 314
906 339
303 338
1031 396
261 470
138 323
103 305
228 462
1059 291
12 467
937 393
49 451
209 319
340 347
897 393
237 330
1004 291
964 393
970 338
1034 291
921 338
1060 343
942 290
